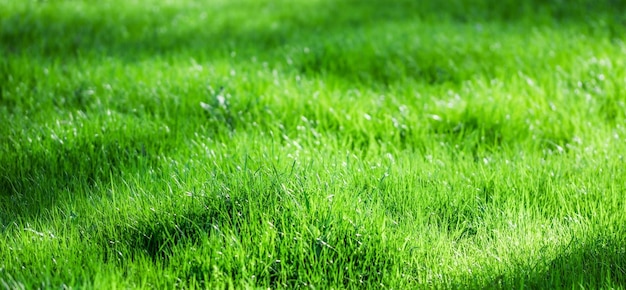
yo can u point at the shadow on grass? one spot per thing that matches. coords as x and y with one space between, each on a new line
37 175
595 263
207 33
212 227
143 32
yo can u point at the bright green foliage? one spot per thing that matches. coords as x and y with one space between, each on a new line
313 143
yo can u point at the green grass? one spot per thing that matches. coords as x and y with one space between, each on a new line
313 143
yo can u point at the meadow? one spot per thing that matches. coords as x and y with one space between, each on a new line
455 144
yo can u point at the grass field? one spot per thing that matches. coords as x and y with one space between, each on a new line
313 143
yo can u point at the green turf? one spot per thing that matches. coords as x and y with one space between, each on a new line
313 143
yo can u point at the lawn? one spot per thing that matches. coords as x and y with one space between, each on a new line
313 144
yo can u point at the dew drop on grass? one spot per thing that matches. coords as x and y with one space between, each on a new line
205 106
436 117
221 100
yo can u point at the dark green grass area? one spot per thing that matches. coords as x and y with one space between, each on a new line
312 144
